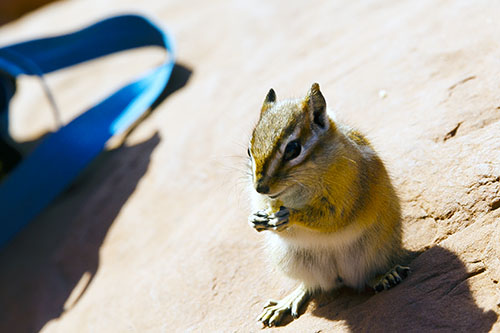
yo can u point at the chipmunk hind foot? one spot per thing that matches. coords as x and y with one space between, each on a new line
390 279
275 310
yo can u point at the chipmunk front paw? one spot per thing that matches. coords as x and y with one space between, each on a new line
266 220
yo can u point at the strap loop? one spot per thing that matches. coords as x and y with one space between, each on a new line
55 163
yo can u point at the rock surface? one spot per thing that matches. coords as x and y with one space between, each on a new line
153 237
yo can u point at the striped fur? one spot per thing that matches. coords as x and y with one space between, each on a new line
344 225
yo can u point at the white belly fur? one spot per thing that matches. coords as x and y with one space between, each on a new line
326 261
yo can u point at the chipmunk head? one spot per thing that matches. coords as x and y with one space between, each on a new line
283 140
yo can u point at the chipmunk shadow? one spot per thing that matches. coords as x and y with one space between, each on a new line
434 297
48 266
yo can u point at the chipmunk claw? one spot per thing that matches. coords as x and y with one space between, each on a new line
259 220
261 213
392 278
271 302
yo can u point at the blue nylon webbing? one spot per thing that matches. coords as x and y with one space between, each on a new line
54 164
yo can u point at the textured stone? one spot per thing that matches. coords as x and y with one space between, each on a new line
153 237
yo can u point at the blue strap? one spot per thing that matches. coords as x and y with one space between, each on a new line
55 163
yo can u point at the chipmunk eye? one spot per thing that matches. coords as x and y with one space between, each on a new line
248 152
292 150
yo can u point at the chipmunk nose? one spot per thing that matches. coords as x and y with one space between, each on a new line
262 188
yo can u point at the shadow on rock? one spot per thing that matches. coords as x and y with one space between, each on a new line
49 265
60 250
434 297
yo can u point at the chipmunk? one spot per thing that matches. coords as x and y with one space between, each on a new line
326 199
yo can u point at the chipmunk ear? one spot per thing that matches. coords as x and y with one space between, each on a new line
269 101
316 106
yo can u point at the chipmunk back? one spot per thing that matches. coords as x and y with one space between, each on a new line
326 200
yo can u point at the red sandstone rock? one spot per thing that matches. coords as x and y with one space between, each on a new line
154 236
